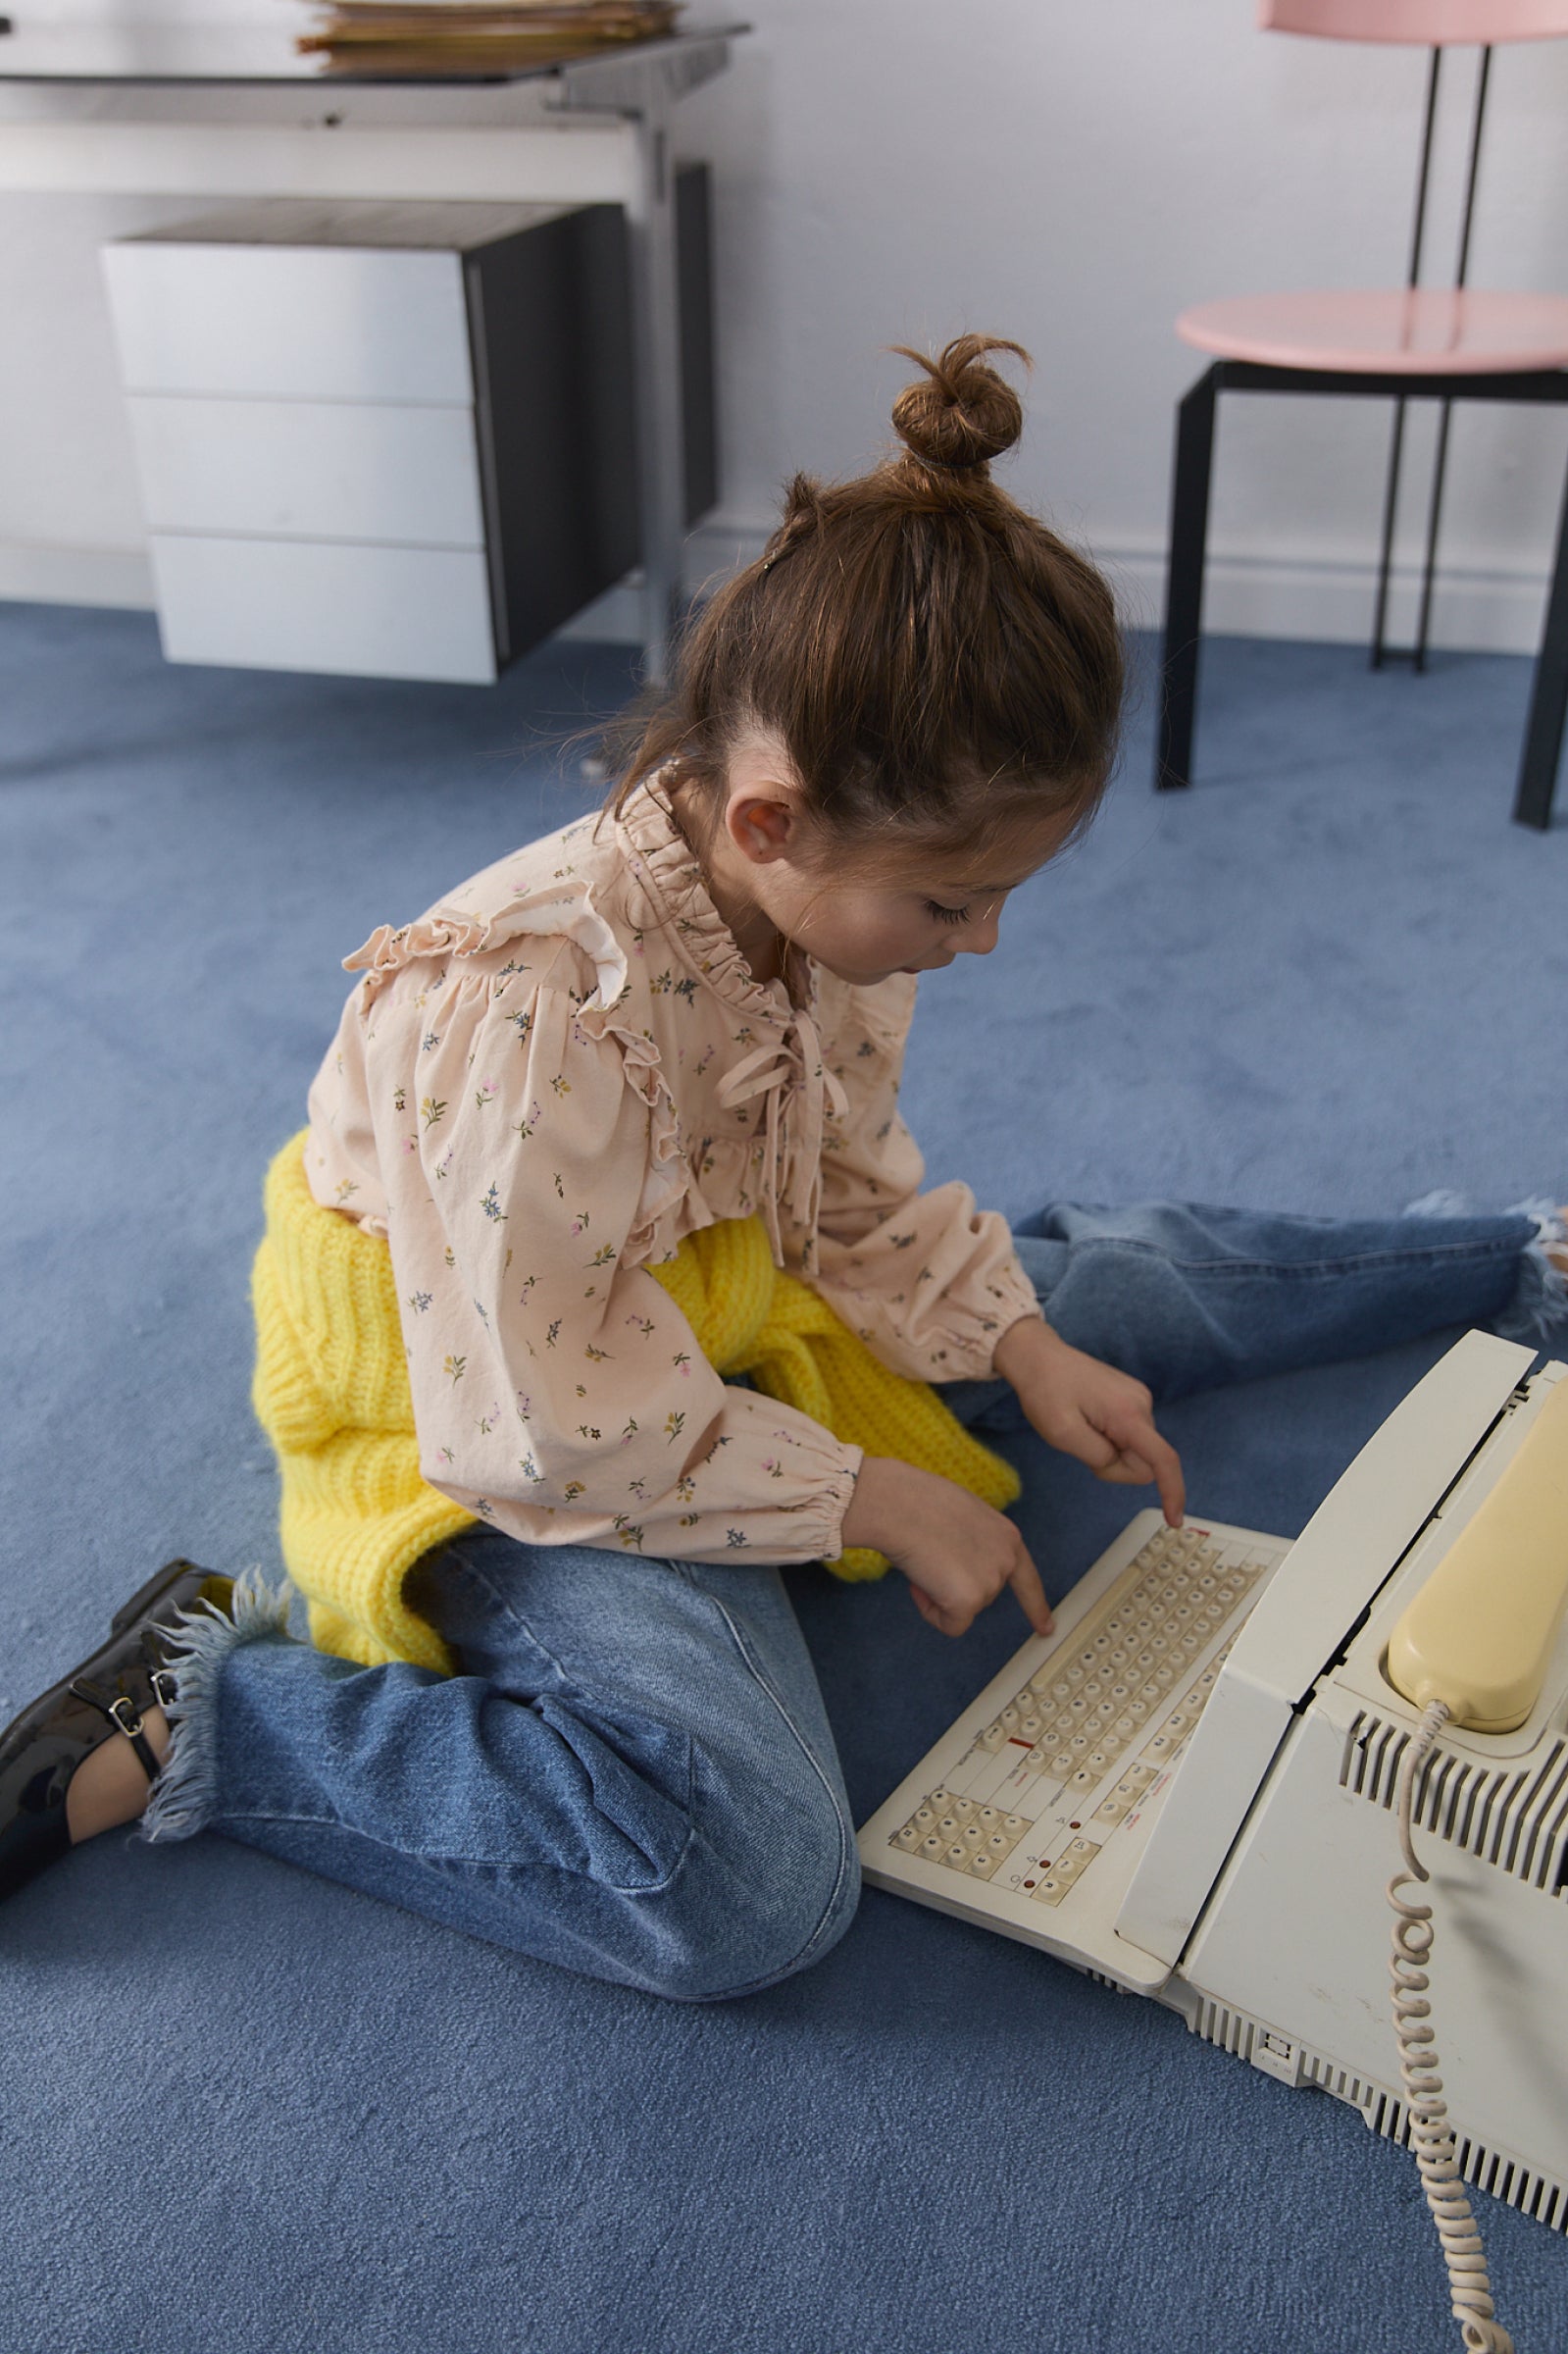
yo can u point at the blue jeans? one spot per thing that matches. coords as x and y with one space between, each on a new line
634 1775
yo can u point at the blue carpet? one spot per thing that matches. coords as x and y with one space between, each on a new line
249 2111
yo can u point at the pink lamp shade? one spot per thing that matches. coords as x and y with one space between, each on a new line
1425 23
1417 332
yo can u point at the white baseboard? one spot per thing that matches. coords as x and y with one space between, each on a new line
75 576
1477 608
1493 609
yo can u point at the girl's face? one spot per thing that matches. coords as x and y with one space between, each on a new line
865 920
866 931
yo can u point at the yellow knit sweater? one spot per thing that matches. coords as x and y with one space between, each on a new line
332 1393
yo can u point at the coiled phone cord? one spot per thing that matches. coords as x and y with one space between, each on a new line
1431 2135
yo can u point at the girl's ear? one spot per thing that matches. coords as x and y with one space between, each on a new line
763 826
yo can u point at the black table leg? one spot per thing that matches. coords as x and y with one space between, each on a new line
1549 699
1184 594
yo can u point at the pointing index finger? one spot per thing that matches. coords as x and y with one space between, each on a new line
1025 1582
1168 1478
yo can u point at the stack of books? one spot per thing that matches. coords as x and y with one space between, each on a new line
480 37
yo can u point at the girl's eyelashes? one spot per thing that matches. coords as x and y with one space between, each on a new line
946 916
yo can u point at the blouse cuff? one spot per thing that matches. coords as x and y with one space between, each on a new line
775 1485
1009 1298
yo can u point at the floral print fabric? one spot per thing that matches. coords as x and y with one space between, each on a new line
539 1089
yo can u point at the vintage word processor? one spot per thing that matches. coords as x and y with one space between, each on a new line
1192 1788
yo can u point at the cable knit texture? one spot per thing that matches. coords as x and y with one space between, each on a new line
331 1392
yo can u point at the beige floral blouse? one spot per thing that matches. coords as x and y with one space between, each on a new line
543 1086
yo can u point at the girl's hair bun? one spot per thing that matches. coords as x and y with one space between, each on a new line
960 414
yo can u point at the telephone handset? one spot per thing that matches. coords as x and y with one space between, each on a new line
1478 1635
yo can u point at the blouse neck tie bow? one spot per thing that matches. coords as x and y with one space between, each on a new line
798 1091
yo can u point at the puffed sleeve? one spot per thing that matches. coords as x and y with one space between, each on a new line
558 1390
927 1279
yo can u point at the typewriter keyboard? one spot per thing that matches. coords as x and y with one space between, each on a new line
1071 1755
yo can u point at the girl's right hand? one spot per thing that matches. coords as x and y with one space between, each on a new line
956 1552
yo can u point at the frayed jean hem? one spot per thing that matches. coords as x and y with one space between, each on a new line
1538 1307
184 1797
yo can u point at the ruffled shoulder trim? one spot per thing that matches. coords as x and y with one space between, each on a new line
544 891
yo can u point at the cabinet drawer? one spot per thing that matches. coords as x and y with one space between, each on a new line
290 322
309 469
300 604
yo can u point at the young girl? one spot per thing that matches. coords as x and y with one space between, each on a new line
608 1113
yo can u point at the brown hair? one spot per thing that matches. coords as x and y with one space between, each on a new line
939 666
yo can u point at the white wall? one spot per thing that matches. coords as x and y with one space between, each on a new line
1069 172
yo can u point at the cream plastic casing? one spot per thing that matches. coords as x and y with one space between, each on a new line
1288 1964
1479 1635
1335 1568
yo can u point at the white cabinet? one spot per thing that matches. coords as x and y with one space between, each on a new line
388 439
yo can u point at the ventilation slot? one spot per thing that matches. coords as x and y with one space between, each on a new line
1231 2029
1534 2194
1340 2082
1517 2185
1515 1818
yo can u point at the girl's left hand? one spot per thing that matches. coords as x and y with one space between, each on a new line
1091 1411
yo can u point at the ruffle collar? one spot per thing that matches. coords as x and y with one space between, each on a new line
657 886
662 860
787 1069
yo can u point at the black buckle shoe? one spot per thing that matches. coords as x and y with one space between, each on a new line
109 1692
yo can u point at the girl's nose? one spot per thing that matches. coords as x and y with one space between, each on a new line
982 936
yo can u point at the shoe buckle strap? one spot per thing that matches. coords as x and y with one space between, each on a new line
124 1716
120 1711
